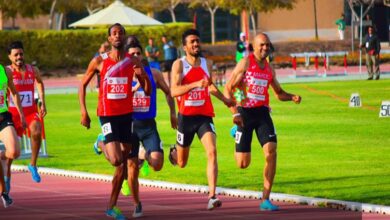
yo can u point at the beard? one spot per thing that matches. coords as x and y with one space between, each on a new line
19 63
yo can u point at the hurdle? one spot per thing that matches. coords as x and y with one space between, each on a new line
307 72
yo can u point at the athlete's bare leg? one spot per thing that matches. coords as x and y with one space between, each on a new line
209 143
36 141
270 155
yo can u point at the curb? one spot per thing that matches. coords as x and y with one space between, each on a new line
280 197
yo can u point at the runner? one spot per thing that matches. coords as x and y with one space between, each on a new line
7 130
253 76
191 84
115 107
145 109
144 123
24 77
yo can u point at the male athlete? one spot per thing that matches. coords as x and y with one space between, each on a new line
253 75
24 78
191 84
7 130
115 107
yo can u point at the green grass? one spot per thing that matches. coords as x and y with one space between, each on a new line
325 148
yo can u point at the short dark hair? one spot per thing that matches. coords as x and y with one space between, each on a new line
118 25
187 33
134 45
15 45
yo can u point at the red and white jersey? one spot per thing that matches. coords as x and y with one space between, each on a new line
115 95
197 101
24 84
256 84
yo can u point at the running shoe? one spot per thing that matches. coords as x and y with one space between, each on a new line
266 205
145 170
170 157
233 131
125 188
116 213
7 182
34 173
96 148
214 202
138 211
7 201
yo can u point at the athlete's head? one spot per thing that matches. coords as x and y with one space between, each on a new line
135 49
15 53
261 46
116 35
191 42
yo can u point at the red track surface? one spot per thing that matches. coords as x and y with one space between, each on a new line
68 198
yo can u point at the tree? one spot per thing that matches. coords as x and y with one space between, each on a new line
30 9
253 6
212 6
171 5
62 7
146 6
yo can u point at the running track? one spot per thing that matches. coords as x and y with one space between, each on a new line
69 198
58 197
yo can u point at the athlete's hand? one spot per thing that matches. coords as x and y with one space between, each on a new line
203 83
238 121
296 99
23 120
42 110
85 121
229 102
173 121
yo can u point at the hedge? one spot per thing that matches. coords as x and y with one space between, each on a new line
75 48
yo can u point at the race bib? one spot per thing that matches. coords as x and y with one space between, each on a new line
2 101
256 89
141 102
26 99
367 44
117 87
195 97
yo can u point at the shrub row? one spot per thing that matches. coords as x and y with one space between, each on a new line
75 48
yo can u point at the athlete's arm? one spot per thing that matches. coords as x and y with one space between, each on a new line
95 64
159 79
15 97
41 92
176 88
235 80
141 75
280 93
228 101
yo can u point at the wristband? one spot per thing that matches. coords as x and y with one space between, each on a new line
235 115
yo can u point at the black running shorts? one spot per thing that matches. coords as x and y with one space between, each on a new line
145 131
189 125
5 120
259 120
117 128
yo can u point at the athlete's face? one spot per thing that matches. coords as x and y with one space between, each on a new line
117 37
262 46
135 51
16 57
192 45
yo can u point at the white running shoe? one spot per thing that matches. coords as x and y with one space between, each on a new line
214 202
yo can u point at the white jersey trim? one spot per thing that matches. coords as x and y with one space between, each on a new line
187 67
